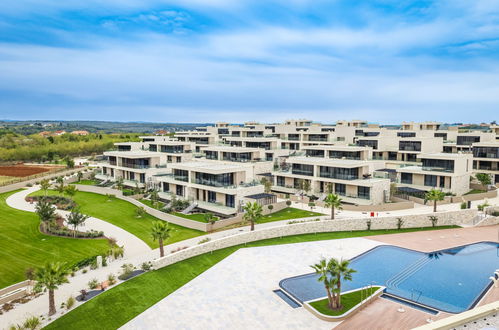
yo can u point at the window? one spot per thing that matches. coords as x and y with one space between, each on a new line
230 200
368 143
406 134
486 152
467 140
302 169
409 145
215 180
339 173
406 178
142 178
212 197
440 165
340 189
345 154
281 181
179 190
124 148
314 153
181 175
166 187
364 192
430 180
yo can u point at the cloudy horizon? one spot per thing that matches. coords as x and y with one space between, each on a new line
218 60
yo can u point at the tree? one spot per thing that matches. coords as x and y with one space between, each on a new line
75 219
267 185
60 187
49 278
253 213
325 270
45 185
400 223
433 220
210 218
160 231
306 186
119 183
484 178
334 202
70 163
343 273
70 190
45 211
79 175
154 196
435 196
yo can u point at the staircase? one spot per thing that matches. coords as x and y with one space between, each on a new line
189 208
394 282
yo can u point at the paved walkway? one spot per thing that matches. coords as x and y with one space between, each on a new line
237 293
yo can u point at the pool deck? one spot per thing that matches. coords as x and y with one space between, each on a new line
429 241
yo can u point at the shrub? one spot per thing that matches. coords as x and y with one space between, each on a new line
93 283
126 271
400 223
270 207
111 279
463 205
288 203
482 207
30 323
84 271
146 266
29 185
139 212
302 221
70 303
433 220
369 223
7 307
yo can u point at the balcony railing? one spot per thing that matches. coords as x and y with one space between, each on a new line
223 185
137 166
339 176
360 196
437 169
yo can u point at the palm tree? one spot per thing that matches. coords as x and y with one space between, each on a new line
60 187
324 269
210 218
333 201
154 196
75 219
70 190
49 278
45 185
119 183
160 231
435 196
253 213
45 211
79 175
343 272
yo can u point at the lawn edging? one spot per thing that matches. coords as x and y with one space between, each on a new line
330 318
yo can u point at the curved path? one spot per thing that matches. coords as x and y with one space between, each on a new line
134 246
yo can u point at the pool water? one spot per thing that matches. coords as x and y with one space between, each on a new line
451 280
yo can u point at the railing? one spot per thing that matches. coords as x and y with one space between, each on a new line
339 176
225 186
360 196
302 172
437 169
137 166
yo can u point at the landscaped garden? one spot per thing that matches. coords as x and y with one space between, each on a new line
124 215
348 301
22 245
115 307
287 214
88 182
201 217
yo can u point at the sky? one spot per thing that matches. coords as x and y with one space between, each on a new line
237 60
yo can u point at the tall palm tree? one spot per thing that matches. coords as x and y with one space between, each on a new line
160 231
343 272
253 213
75 219
45 185
49 278
435 196
324 269
334 202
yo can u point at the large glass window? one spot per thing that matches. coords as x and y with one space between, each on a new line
230 200
467 140
314 153
172 149
124 148
340 189
363 192
406 134
212 197
368 143
166 187
409 145
406 178
281 181
181 175
486 152
236 156
440 165
339 173
215 180
344 154
213 155
430 180
303 169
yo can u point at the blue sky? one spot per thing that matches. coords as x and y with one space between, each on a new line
207 60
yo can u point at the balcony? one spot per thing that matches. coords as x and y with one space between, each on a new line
136 166
302 172
437 169
339 176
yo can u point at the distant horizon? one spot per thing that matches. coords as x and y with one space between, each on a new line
223 60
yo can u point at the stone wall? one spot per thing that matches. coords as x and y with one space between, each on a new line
410 221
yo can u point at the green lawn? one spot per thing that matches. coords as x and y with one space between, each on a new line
148 202
116 306
348 300
22 245
195 216
287 214
122 214
475 191
88 182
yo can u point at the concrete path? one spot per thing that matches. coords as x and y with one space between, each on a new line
237 293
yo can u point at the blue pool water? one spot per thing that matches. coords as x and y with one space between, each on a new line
449 280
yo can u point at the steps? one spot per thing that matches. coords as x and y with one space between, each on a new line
395 281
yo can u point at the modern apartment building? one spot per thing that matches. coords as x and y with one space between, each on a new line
486 159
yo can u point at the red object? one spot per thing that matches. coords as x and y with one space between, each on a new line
372 214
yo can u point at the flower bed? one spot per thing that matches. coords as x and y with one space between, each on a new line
61 202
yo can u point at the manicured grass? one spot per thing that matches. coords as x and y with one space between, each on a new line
287 214
348 301
475 191
148 202
115 307
22 245
195 216
88 182
123 214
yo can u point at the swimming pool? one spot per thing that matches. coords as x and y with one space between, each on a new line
451 280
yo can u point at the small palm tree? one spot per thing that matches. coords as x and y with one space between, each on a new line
119 183
45 185
334 202
253 213
435 196
60 187
324 269
75 219
79 175
49 278
154 196
160 231
343 272
45 211
210 218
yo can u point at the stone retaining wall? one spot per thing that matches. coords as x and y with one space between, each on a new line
410 221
